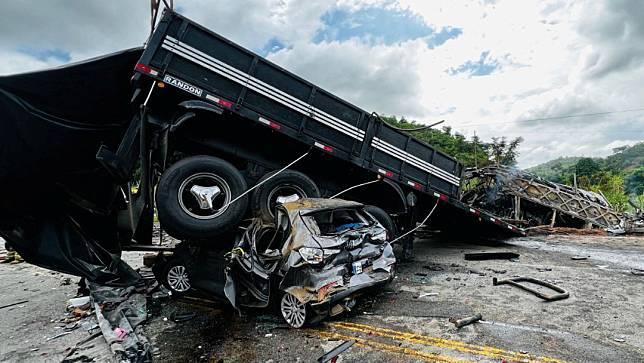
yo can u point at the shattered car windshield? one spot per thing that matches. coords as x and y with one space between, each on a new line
336 221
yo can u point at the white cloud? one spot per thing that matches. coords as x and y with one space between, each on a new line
554 58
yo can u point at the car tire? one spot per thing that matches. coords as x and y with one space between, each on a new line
175 278
288 182
294 312
383 217
185 216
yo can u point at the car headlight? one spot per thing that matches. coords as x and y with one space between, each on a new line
316 255
382 236
311 255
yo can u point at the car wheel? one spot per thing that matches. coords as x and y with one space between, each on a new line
176 279
293 310
193 195
286 184
383 218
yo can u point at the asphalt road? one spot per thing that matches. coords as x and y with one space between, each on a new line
406 321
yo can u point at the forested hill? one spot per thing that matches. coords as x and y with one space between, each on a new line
619 176
552 169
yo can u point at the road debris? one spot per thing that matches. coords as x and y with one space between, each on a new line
14 304
333 354
637 271
482 256
562 294
120 312
579 258
459 323
427 294
58 336
79 302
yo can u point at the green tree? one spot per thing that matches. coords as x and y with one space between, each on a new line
469 152
504 152
587 167
634 183
612 187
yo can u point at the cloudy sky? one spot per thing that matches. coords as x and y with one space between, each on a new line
512 68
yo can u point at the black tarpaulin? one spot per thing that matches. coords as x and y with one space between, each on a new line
56 202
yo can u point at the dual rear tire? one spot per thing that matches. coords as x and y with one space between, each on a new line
197 197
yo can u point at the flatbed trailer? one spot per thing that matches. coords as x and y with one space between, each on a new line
211 96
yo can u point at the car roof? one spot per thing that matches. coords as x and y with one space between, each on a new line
307 205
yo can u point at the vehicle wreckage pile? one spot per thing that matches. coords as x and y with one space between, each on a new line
527 200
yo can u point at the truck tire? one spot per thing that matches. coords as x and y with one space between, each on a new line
381 216
286 183
192 194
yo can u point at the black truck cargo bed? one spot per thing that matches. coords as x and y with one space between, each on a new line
190 57
207 66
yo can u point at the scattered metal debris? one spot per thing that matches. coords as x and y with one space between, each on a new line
562 294
523 198
181 317
482 256
637 271
459 323
579 258
333 354
14 304
58 336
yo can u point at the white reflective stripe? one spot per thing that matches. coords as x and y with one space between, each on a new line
212 98
321 146
402 157
405 156
259 86
455 182
264 121
416 160
344 128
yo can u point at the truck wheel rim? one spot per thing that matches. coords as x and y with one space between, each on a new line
191 205
283 190
293 311
178 279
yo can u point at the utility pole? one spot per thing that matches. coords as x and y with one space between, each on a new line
476 159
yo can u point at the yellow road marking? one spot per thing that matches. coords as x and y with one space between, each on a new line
487 351
434 357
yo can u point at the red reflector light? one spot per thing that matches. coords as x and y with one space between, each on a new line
275 125
443 197
328 149
386 172
145 69
225 103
